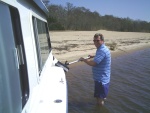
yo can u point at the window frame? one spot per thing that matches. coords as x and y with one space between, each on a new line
18 38
37 41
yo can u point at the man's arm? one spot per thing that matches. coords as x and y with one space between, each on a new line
88 61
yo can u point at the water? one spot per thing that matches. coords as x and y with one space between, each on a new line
129 88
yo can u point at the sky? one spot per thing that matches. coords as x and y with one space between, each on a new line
133 9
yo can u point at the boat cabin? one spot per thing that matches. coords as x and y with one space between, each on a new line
30 80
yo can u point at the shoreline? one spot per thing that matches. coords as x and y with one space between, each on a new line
115 54
71 45
120 53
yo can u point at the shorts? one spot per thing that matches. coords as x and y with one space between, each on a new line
101 91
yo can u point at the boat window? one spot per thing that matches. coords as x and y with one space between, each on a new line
21 54
42 41
14 86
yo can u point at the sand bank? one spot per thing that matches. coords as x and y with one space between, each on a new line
71 45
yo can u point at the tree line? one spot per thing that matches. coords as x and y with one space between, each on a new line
71 17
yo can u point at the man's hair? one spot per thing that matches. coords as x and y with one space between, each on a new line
99 34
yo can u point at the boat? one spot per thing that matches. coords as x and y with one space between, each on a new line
32 80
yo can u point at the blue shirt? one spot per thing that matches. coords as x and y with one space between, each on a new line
101 72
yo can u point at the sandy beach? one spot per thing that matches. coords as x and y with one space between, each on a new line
71 45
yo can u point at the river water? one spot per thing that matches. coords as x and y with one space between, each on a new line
129 87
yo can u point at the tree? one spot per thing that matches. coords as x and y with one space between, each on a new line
80 18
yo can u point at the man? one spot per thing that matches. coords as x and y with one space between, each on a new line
101 68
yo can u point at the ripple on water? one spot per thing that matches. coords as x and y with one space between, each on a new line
129 88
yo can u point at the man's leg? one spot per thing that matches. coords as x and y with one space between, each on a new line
100 102
100 92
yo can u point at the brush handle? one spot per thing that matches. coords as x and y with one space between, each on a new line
75 61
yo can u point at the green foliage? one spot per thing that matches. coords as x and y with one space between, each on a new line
80 18
53 24
56 26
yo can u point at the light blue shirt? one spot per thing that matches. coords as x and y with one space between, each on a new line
101 72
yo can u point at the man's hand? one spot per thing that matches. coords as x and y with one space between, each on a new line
91 56
87 61
81 59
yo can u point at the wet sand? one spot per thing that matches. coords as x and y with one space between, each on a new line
71 45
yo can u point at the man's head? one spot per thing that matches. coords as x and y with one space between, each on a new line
98 39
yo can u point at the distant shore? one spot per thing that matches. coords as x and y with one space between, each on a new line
71 45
